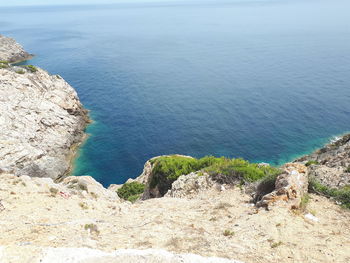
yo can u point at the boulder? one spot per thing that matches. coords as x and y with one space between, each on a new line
86 185
290 187
190 185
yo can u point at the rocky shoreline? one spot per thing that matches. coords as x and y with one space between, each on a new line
180 209
11 51
42 120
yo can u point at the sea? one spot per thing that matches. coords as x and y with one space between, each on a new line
263 80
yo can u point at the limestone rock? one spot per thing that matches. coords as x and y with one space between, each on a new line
11 51
41 122
85 255
190 185
290 187
333 177
333 162
88 186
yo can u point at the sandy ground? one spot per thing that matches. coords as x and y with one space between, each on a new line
221 224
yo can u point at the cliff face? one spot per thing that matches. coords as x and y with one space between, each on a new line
331 164
11 51
41 118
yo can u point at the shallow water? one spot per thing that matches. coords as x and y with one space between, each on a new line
264 80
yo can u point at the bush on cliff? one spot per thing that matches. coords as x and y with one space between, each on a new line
308 163
31 68
131 191
341 195
232 171
4 64
167 169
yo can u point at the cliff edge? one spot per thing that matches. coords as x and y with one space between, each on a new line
41 118
181 209
11 51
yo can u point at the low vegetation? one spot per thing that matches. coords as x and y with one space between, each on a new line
92 228
276 244
265 185
228 233
83 205
31 68
20 71
340 195
304 201
131 191
223 170
4 64
347 170
308 163
233 171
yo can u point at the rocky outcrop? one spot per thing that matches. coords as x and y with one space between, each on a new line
290 187
155 185
330 165
41 123
190 185
88 186
11 51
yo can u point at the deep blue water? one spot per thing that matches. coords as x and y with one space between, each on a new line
264 80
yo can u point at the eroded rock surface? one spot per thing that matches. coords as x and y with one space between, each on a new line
290 187
39 215
41 121
332 163
190 185
11 51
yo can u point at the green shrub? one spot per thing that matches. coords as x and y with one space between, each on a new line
228 233
265 186
276 244
305 199
20 71
341 195
308 163
167 169
347 170
239 170
4 64
31 68
131 191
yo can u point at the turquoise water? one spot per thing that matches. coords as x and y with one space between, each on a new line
264 80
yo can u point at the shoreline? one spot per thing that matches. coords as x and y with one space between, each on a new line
13 63
72 155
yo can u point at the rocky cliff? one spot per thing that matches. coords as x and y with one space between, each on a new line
11 51
212 210
331 164
41 120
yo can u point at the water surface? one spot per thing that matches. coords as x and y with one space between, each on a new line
264 80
